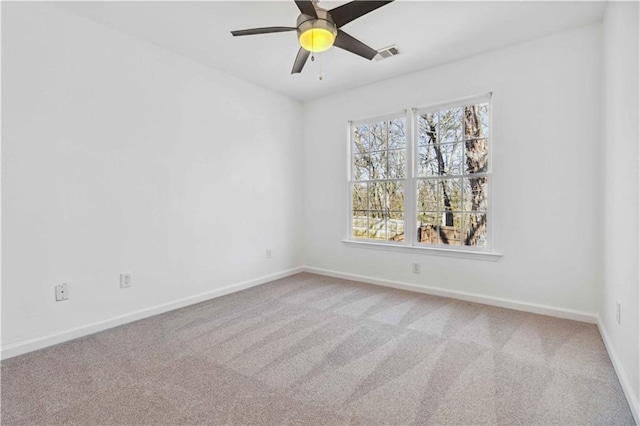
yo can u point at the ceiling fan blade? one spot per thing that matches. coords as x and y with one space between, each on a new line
301 59
266 30
306 7
350 44
348 12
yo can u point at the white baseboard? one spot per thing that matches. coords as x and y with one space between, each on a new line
30 345
469 297
632 399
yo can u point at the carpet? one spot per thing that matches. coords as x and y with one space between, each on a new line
315 350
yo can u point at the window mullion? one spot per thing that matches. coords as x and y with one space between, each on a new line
410 214
350 179
463 224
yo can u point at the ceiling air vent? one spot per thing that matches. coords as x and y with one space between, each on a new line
387 52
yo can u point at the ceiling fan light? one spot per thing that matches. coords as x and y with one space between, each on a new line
317 39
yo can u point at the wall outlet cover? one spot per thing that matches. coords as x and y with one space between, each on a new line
126 279
62 292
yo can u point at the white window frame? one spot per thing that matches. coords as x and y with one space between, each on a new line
410 244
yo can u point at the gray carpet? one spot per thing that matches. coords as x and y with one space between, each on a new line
315 350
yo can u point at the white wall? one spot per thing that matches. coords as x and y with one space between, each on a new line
120 156
547 173
621 211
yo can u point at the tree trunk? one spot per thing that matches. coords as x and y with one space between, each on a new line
441 171
476 162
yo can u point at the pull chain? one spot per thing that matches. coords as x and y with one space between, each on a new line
313 57
312 48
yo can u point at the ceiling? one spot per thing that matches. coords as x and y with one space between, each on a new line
427 33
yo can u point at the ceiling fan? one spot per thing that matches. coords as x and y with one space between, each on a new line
319 29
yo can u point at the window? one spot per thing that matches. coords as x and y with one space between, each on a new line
422 178
379 173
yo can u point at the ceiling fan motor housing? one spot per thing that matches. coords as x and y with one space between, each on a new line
316 34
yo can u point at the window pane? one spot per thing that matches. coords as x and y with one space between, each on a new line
477 156
377 196
450 125
427 195
429 218
359 196
377 229
484 120
397 134
451 158
428 224
359 224
475 194
449 232
378 165
476 121
395 191
450 154
475 230
360 169
427 164
379 136
450 195
427 125
397 167
395 226
361 138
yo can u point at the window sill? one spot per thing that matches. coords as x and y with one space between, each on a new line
436 251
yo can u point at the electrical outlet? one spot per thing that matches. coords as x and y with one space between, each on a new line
268 253
618 312
416 268
62 292
126 280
